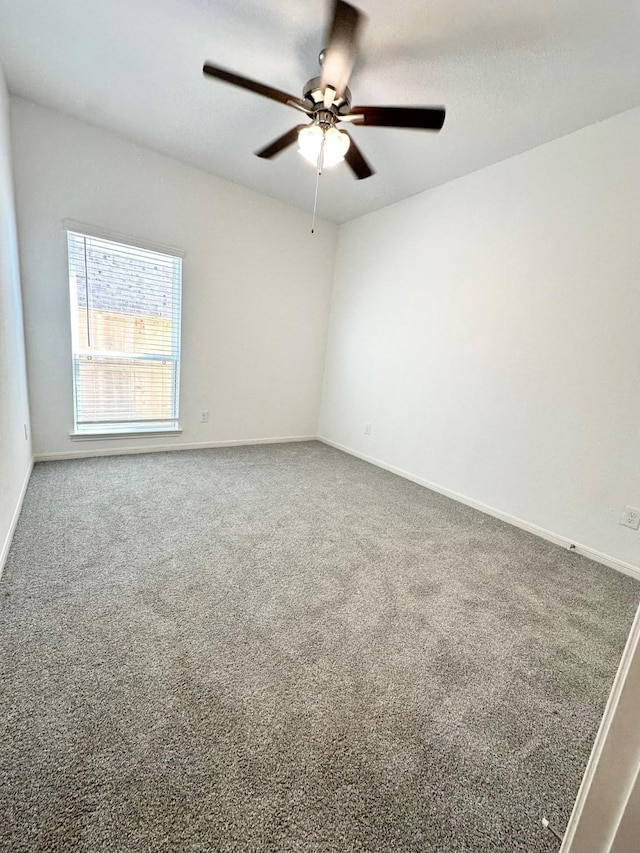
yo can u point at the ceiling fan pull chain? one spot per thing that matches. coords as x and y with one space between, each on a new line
318 173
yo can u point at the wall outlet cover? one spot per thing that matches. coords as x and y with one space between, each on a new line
631 517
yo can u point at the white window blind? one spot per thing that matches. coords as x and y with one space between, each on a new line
125 320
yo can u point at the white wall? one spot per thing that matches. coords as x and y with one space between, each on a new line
489 330
256 291
15 449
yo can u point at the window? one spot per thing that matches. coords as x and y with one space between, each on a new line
125 322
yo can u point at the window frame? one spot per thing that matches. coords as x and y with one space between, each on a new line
122 429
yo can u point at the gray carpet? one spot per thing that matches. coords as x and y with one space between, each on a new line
282 648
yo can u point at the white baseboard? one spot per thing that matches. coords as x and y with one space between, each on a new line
4 551
160 448
575 547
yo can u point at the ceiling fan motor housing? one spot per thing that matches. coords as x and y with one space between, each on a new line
313 94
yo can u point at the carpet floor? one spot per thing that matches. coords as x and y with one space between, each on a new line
283 648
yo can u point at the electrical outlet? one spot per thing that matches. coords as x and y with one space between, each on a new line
631 517
204 417
367 429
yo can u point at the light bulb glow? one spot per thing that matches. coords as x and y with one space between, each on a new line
310 140
336 145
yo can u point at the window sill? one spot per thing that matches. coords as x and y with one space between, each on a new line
100 436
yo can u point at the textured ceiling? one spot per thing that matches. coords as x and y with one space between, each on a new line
512 73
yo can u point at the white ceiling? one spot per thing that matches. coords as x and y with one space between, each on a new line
512 73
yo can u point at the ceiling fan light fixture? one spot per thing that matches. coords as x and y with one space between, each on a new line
336 145
310 141
312 138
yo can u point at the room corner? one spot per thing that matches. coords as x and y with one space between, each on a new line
15 424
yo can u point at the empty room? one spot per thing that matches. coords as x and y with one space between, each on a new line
319 469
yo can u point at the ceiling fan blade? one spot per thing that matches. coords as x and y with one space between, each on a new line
341 47
358 165
420 118
252 86
280 143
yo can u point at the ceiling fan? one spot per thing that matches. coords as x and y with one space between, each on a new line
326 100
